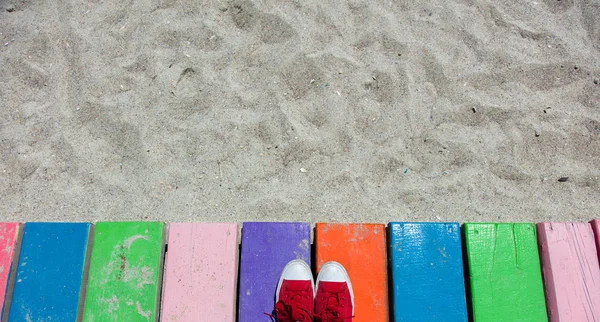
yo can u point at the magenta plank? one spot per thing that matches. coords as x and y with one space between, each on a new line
596 227
200 272
9 233
266 249
571 271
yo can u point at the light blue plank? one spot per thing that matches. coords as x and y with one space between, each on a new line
49 272
427 272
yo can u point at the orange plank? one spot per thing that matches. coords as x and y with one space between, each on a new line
362 250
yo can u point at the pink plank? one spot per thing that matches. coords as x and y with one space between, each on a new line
571 271
9 233
596 226
200 272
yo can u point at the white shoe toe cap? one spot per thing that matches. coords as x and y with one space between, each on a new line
297 270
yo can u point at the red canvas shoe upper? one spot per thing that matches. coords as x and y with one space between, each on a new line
296 302
333 303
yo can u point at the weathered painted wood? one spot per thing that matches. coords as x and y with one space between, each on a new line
50 272
571 271
362 250
266 249
505 275
426 268
596 227
200 278
125 269
9 234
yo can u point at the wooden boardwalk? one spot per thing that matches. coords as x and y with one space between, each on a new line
403 271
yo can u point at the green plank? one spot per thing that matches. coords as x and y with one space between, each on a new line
125 267
505 276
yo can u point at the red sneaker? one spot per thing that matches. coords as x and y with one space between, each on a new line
295 296
335 297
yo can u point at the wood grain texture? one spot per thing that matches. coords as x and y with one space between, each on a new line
9 233
596 227
504 270
571 271
200 278
362 250
266 249
426 267
124 274
50 272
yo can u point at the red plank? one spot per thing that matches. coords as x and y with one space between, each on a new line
571 271
9 233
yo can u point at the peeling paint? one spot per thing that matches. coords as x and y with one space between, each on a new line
140 311
113 304
127 243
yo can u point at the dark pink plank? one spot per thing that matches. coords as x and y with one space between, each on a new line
266 249
9 233
596 227
571 271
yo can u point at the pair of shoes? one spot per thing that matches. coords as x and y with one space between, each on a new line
297 300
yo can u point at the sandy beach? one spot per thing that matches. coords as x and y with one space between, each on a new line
335 111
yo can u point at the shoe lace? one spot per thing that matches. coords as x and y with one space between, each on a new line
334 311
292 311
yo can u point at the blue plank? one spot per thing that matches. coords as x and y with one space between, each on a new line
266 249
427 272
49 272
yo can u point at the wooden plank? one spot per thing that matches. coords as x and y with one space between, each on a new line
125 268
50 272
427 277
571 271
361 249
9 234
266 249
596 227
505 276
200 272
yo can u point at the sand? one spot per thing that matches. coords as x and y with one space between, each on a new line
342 111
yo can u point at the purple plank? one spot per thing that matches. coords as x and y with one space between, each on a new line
266 249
